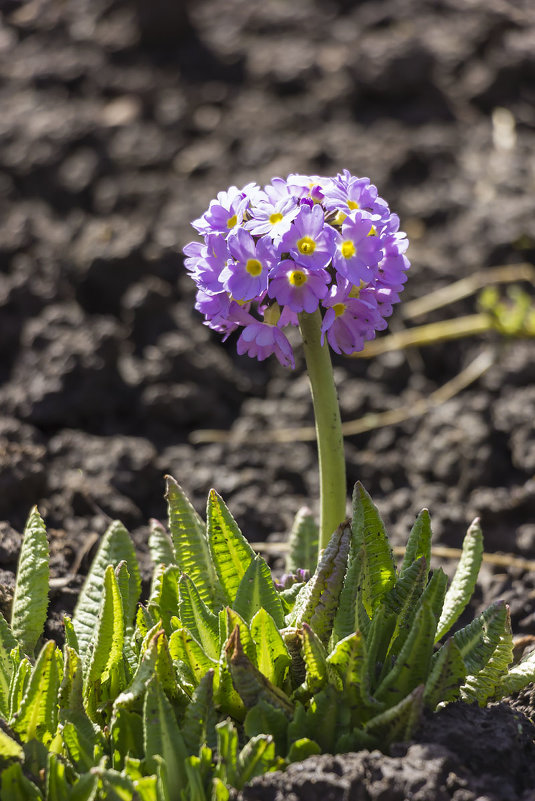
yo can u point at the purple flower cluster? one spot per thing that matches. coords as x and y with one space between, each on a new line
294 246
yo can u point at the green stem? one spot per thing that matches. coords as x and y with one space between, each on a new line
328 427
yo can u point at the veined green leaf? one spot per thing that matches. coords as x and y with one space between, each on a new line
272 657
197 617
346 617
378 572
80 740
70 694
378 640
478 640
349 661
85 789
256 757
464 580
105 664
195 779
162 737
326 718
190 543
126 736
115 547
160 544
19 679
7 643
184 647
231 553
303 748
315 658
446 675
402 600
412 665
16 787
37 717
220 791
164 601
257 591
227 747
57 786
303 542
200 717
317 602
144 673
30 600
228 621
165 672
518 677
481 686
264 717
419 542
9 748
397 723
435 592
249 683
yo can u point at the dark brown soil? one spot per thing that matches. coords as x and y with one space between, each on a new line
119 121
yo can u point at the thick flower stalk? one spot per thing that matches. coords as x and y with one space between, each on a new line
324 254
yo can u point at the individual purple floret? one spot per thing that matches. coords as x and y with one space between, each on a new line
293 247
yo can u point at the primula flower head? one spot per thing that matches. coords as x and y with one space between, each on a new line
295 246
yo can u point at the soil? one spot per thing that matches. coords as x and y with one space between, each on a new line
118 126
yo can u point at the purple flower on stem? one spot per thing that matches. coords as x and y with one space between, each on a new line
351 318
358 248
309 241
261 340
224 213
246 277
346 193
297 287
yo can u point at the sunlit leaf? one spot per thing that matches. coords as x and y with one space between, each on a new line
30 599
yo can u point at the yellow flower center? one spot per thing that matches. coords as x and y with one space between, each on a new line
297 278
306 245
348 249
339 309
231 222
372 231
275 218
353 204
355 292
253 267
339 219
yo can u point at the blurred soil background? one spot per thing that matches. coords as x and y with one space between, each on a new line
119 121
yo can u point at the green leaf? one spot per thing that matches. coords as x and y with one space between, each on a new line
105 664
37 716
164 601
231 553
200 718
19 680
126 736
447 674
85 789
184 647
435 592
346 618
402 601
16 787
115 547
481 686
326 718
350 662
412 665
162 737
264 717
302 749
419 542
251 685
378 572
256 757
57 785
80 740
30 600
7 643
257 591
227 748
272 657
518 677
464 580
315 658
317 602
197 617
398 723
9 748
160 545
303 542
478 640
190 543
